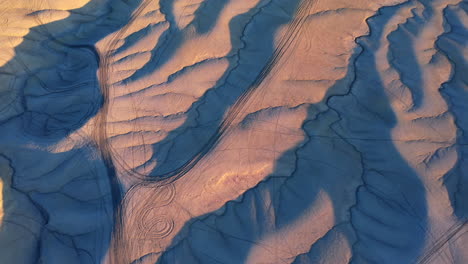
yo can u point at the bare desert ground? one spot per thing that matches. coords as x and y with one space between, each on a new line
233 131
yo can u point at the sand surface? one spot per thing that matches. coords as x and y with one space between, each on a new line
233 131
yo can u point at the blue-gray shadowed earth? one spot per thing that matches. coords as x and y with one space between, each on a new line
228 131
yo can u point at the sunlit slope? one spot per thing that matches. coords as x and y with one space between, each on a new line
263 131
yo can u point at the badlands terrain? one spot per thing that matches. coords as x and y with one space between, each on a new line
233 131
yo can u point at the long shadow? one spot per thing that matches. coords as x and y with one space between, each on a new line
205 18
350 156
208 14
209 118
455 90
204 121
55 97
401 54
390 214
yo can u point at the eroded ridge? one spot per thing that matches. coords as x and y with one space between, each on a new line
206 131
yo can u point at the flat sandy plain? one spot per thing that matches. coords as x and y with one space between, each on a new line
233 131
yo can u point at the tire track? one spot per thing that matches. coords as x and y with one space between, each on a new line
149 225
284 45
439 243
100 130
